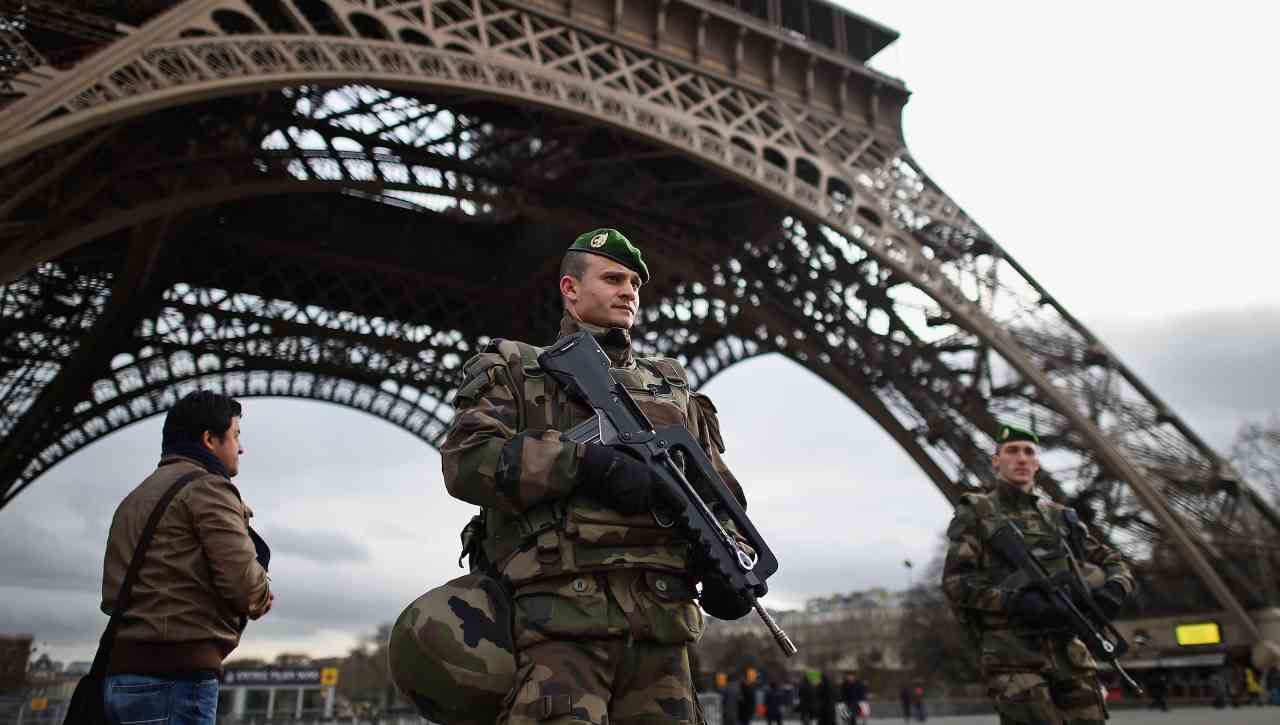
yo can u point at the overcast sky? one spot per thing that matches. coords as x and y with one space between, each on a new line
1121 151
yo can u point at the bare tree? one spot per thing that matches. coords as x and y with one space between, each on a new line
934 645
1256 453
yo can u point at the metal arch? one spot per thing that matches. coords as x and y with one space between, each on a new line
109 416
888 209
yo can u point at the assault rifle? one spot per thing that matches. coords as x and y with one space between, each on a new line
579 365
1102 639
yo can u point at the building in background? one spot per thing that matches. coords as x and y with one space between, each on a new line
15 651
853 631
304 692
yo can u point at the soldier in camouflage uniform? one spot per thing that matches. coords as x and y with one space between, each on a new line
1036 671
603 601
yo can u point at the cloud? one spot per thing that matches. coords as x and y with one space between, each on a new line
318 545
1214 368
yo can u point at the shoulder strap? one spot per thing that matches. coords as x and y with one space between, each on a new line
135 565
667 368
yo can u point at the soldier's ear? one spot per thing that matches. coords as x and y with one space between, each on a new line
569 287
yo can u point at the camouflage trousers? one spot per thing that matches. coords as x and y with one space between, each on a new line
604 649
1040 698
601 682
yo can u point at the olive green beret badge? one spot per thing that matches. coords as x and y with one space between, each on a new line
612 244
1010 433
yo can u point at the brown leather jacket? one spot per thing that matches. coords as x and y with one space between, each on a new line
200 578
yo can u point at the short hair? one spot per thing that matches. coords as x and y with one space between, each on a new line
574 264
195 413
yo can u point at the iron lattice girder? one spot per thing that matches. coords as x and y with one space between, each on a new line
875 272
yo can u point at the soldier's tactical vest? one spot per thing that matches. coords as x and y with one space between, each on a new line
1055 536
1049 531
578 534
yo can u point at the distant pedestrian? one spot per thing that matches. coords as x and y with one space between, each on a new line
1252 687
1218 685
905 696
1273 684
827 699
808 699
1158 688
852 693
747 705
202 576
917 701
729 700
774 703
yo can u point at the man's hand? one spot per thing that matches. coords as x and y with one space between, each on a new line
1031 606
1109 599
618 479
271 600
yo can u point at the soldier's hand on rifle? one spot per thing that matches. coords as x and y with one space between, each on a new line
1030 606
1109 599
618 479
721 602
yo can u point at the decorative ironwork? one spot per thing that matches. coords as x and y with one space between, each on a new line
192 203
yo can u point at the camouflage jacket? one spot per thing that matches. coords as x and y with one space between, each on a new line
537 522
979 584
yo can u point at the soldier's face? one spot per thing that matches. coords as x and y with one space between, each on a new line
608 294
1017 463
227 448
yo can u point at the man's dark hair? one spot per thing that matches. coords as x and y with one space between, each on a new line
203 410
574 264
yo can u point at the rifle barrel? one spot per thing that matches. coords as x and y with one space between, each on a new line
784 642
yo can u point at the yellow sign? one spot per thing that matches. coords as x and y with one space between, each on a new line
329 676
1200 633
39 703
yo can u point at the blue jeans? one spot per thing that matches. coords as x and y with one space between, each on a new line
143 700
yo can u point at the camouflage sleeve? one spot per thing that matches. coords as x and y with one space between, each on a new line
964 580
487 460
1111 562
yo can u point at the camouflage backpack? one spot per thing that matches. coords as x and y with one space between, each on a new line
451 651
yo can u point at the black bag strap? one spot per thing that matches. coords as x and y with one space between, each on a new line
135 565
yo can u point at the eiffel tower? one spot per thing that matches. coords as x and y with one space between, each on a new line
336 199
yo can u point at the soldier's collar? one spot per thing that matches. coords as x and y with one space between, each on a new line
615 341
1013 495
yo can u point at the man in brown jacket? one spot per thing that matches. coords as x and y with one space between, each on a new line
203 577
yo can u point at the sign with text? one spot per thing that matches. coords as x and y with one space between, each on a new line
278 677
1199 633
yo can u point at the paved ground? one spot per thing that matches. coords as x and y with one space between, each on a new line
1183 716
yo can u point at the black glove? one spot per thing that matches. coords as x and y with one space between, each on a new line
1110 599
618 479
1031 606
721 602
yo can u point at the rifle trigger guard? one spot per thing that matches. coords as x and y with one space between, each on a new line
660 521
746 557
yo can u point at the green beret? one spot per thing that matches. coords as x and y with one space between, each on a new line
1010 433
610 243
